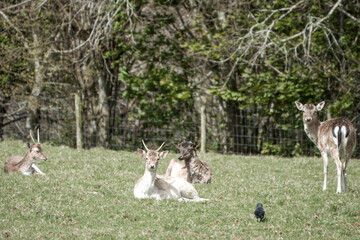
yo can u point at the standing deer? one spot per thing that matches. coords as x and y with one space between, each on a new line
335 136
26 165
191 168
151 185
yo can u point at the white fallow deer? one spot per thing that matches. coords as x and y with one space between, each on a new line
151 185
335 137
26 165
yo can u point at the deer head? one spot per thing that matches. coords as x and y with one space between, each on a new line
309 111
35 149
152 156
187 149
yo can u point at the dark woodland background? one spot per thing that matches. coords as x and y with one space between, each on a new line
147 69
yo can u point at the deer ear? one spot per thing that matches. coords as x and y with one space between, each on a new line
163 154
299 105
195 144
142 152
320 106
177 145
29 146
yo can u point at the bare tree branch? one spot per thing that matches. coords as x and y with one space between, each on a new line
102 24
26 45
261 36
349 15
16 5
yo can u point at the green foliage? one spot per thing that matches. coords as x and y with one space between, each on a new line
163 53
281 75
271 149
274 92
13 72
162 92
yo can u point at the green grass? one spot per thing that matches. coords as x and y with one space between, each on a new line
88 194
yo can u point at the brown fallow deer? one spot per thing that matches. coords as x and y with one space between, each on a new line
151 185
335 137
26 165
189 167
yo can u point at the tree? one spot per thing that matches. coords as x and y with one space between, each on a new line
58 36
265 55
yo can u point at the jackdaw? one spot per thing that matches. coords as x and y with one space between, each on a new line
259 212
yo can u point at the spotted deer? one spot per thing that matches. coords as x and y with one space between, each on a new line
151 185
335 137
189 167
26 165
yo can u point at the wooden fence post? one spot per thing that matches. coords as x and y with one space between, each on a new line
203 129
79 142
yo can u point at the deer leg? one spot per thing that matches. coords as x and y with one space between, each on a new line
344 173
326 161
339 175
339 169
37 170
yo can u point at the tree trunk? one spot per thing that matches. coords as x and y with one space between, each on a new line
103 114
2 114
203 129
33 118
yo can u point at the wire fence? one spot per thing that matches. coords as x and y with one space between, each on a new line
245 132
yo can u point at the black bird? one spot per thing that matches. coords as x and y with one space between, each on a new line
259 212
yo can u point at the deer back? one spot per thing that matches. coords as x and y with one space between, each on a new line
12 164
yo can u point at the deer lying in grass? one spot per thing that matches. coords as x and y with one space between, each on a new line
335 136
26 165
191 168
151 185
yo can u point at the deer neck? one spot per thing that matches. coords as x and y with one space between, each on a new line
312 129
192 162
148 181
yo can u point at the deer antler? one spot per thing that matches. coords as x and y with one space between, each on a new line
145 145
161 146
32 136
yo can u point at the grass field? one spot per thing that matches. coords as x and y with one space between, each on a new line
88 194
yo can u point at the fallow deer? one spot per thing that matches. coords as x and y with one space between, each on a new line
26 165
151 185
189 167
335 137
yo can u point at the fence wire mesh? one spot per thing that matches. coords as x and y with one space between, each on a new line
244 132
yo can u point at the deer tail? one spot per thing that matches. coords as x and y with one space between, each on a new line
341 132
